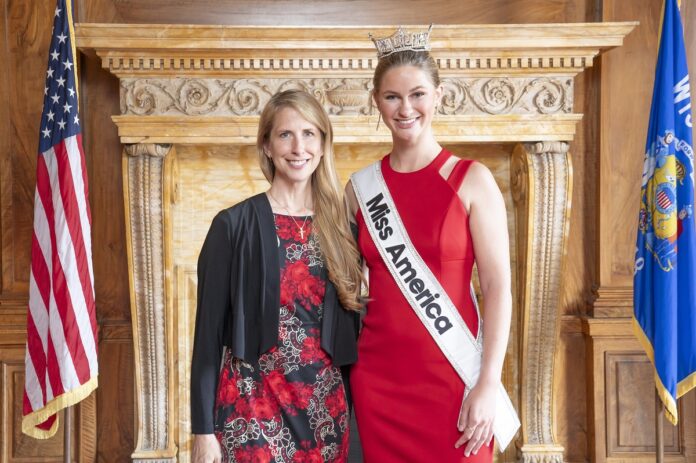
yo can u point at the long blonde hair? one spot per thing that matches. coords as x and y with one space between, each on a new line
330 212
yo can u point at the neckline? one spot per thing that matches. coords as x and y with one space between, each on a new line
436 162
307 216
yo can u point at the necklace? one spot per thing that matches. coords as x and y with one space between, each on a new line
301 228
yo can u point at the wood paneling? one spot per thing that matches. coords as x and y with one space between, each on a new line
6 245
26 51
16 447
100 100
624 121
333 12
622 400
115 399
570 387
631 418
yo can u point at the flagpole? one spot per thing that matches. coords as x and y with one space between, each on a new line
659 432
67 432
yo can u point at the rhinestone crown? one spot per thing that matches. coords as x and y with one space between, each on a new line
401 41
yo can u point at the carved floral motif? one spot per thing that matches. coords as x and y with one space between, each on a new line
243 97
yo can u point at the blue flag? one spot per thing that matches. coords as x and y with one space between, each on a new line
664 285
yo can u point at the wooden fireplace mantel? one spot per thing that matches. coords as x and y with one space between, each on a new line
502 82
184 85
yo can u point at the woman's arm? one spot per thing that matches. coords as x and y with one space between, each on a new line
489 233
214 265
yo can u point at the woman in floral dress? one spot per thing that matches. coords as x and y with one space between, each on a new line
278 294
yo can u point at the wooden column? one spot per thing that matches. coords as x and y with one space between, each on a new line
542 182
144 189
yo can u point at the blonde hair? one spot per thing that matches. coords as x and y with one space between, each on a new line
330 212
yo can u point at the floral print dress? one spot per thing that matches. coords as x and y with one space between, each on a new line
291 405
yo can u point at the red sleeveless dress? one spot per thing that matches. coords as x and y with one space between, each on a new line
406 394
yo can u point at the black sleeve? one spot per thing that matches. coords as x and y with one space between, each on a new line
214 267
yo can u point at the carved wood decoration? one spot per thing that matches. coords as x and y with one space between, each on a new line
203 85
624 423
542 180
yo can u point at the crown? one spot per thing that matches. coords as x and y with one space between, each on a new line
401 41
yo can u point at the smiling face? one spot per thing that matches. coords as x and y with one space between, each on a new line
407 99
294 146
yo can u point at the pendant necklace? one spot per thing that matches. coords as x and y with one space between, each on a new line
301 228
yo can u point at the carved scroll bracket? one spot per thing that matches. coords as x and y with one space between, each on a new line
542 178
157 150
143 185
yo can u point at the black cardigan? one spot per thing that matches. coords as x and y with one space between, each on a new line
239 300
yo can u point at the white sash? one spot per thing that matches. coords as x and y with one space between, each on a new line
425 294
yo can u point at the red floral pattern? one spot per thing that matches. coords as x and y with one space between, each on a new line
289 229
290 407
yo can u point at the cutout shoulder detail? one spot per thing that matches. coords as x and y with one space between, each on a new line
456 177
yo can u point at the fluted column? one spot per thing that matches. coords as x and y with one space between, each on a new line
143 187
541 182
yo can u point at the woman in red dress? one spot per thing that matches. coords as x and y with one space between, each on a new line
409 402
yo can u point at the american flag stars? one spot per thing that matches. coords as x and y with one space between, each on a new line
60 96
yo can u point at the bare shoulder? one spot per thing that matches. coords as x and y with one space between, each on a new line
351 200
479 184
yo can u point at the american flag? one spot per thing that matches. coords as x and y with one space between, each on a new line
61 355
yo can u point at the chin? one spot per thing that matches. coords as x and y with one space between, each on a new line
297 177
410 136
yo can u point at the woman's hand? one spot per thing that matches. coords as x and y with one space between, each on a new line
476 417
206 449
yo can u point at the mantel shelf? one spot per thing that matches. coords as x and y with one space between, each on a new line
165 49
347 129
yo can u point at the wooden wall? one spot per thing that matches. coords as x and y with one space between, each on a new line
621 411
614 95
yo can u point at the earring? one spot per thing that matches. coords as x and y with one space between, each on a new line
379 119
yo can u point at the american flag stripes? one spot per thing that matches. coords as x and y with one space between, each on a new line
61 357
